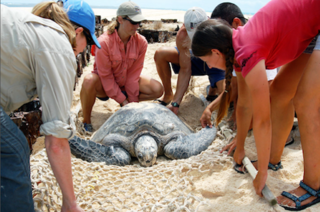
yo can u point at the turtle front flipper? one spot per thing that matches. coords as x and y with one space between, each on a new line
93 152
183 147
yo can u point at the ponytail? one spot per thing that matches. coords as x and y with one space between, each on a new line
226 96
54 11
114 25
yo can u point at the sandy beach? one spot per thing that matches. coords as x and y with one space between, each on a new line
206 182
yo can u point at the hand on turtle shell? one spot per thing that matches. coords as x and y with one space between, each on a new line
175 110
206 118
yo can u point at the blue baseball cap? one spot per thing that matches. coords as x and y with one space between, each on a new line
81 14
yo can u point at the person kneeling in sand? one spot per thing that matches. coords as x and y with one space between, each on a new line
184 64
38 59
118 65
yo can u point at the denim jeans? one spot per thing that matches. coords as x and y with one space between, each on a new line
16 191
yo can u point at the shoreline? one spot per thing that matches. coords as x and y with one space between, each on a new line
150 14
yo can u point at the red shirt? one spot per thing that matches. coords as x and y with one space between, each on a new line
278 33
119 69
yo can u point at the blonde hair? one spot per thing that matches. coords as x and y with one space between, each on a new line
115 24
54 11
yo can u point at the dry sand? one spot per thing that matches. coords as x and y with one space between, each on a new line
222 187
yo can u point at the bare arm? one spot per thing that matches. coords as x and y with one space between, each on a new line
258 85
244 116
59 156
183 45
206 115
214 105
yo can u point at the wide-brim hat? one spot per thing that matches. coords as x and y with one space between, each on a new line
132 10
81 14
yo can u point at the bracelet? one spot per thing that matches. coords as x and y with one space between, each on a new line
174 104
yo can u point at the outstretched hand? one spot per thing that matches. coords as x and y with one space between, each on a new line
231 146
175 110
71 208
259 182
206 118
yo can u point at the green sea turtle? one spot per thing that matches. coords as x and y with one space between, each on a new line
142 130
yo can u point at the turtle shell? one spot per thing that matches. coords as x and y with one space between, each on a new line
136 117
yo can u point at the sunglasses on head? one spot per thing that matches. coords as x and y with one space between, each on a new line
132 22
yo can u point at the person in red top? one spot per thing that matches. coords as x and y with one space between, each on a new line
118 65
276 35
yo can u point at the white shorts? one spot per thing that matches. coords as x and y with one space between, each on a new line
271 73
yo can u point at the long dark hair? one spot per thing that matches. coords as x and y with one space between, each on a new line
216 34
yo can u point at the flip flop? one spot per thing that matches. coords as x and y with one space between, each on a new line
162 102
271 166
237 168
297 200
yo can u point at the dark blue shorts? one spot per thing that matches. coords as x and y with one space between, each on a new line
200 68
107 98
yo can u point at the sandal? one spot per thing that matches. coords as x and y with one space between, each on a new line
271 166
162 102
237 168
290 142
297 200
275 167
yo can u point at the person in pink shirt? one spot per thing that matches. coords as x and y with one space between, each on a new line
275 36
118 65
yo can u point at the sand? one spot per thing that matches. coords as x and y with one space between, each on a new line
221 187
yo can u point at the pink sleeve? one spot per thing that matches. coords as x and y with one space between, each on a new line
132 83
105 72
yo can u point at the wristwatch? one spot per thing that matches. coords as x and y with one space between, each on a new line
174 104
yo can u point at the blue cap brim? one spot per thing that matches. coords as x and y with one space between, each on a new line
95 40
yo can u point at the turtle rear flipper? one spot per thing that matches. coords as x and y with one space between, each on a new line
192 144
93 152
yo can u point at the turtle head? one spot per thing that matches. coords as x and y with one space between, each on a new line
146 150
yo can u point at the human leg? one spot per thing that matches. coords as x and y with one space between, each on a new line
307 105
15 168
282 91
149 88
91 88
217 81
163 56
221 84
